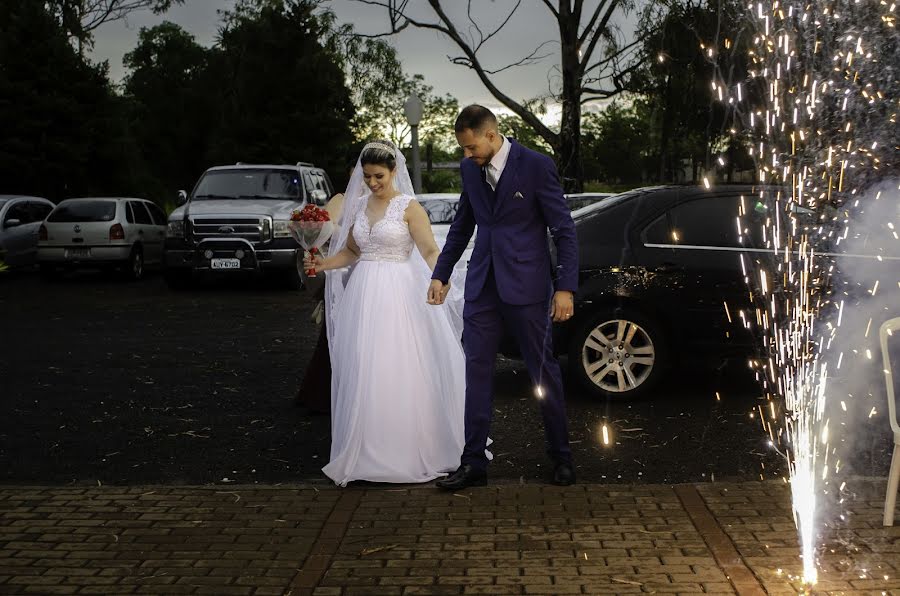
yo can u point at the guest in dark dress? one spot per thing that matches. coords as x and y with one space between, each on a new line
315 389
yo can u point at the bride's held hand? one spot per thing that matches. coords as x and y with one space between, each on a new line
437 292
313 262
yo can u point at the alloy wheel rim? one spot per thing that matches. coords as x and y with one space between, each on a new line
618 355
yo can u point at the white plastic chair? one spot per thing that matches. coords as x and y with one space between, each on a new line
890 500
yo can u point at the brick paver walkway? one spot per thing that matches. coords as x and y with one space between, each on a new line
504 539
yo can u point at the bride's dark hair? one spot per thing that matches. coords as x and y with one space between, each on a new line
380 153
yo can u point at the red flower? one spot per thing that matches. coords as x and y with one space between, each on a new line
310 213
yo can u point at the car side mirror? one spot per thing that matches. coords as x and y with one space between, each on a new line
182 197
12 223
318 196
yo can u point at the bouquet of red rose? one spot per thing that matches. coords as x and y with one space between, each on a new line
311 227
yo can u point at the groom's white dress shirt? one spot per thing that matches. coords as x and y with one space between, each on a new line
494 169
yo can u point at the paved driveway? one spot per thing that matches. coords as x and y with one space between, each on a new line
118 383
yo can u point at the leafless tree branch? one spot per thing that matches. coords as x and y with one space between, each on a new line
594 78
615 58
552 10
590 94
598 33
94 13
531 58
398 17
591 23
451 31
497 29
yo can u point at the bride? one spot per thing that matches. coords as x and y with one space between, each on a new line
398 384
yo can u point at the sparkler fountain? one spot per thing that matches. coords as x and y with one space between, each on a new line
823 136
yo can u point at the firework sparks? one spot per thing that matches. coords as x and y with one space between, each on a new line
821 111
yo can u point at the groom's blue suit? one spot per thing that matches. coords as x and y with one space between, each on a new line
510 279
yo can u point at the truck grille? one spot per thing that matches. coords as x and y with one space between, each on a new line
252 229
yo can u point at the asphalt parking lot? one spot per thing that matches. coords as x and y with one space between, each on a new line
111 382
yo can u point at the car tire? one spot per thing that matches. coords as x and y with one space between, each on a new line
627 369
134 266
178 279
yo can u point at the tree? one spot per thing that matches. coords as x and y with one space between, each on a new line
517 128
64 130
282 91
82 17
687 45
620 143
593 63
383 115
379 87
171 107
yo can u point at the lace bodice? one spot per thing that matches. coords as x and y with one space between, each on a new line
389 238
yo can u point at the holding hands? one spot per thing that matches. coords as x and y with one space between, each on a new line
437 292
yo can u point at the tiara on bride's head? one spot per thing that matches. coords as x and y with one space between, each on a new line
381 146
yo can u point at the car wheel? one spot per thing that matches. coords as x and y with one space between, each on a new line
135 266
619 354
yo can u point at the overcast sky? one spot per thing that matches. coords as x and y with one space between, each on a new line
422 51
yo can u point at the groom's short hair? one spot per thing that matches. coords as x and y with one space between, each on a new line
475 118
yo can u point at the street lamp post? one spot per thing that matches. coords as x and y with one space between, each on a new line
413 110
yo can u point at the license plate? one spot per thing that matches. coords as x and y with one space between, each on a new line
78 253
225 263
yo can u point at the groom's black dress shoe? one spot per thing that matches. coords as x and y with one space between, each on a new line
564 474
464 477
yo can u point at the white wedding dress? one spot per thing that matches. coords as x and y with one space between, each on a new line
398 370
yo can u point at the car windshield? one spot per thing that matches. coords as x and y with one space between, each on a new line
578 201
604 204
84 211
440 211
248 183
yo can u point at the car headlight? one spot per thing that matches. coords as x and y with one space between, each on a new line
282 228
175 229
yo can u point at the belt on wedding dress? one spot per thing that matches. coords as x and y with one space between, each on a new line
389 258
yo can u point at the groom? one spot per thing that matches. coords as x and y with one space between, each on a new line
513 195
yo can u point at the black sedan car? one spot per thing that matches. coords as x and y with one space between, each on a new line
661 283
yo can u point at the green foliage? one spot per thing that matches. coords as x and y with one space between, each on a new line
619 143
271 90
285 82
687 45
381 113
513 126
64 130
441 181
171 106
80 18
283 96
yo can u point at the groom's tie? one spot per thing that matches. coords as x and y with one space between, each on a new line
490 176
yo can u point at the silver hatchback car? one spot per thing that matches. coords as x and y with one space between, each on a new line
105 232
20 219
